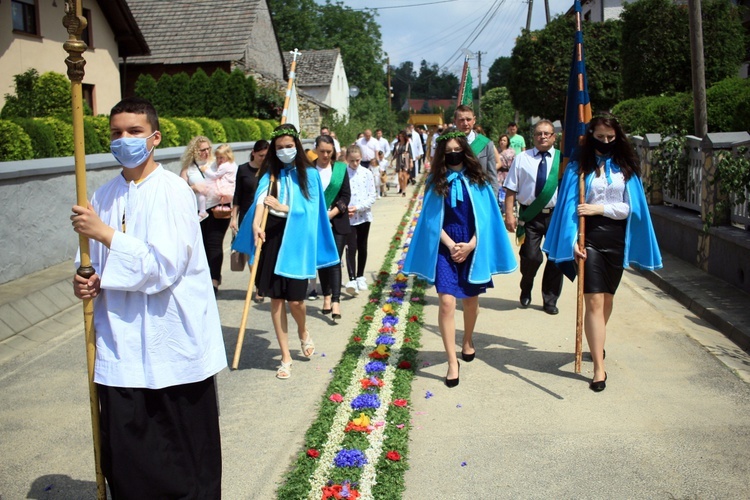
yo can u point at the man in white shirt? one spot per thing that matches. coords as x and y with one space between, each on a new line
158 333
385 146
532 180
369 147
417 151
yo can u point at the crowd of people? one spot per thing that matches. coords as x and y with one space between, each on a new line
157 245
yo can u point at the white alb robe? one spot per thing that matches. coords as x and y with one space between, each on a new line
156 319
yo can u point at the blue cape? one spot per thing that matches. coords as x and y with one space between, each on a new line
493 254
641 248
307 244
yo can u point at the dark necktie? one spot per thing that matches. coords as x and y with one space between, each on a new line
541 174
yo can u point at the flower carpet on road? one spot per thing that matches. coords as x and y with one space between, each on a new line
357 446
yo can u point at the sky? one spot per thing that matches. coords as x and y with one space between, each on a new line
437 30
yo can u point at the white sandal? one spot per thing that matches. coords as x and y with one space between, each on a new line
284 371
306 345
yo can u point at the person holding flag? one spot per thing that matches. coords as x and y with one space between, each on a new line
481 145
532 180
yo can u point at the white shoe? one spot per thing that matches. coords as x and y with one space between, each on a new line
351 288
362 284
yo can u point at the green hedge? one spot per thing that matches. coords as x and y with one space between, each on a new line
727 103
170 135
15 144
48 137
42 137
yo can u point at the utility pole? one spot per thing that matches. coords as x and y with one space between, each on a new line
390 89
528 17
546 9
700 115
479 62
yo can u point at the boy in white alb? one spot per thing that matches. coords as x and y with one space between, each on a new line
158 334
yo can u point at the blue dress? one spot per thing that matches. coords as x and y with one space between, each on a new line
452 277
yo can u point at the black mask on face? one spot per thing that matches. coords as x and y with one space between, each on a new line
454 158
605 148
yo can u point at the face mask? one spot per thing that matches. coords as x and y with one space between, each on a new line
454 158
131 152
286 155
605 148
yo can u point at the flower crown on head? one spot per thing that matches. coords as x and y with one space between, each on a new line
451 135
284 131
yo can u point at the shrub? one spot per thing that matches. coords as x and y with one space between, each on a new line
265 129
42 137
212 129
728 103
15 144
91 143
100 124
230 127
170 136
63 135
243 130
254 129
187 129
52 94
653 114
145 87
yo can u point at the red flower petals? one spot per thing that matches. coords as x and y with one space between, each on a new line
313 453
393 455
401 403
336 397
404 365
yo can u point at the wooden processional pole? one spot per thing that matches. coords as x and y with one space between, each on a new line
75 23
254 270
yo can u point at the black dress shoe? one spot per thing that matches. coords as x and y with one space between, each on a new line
453 382
525 299
336 316
326 311
596 386
468 357
551 310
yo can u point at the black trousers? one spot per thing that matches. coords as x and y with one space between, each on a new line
356 250
330 277
213 231
531 260
161 443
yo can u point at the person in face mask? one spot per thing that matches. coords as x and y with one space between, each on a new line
159 414
618 227
296 241
472 245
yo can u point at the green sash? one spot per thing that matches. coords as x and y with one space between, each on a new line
338 171
539 203
480 142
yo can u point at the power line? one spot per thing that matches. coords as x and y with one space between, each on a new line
405 6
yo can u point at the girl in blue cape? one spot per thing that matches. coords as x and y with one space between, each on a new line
459 242
618 227
297 239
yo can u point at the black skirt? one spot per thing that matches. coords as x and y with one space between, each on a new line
270 284
605 254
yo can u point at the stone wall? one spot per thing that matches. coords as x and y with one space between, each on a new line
310 116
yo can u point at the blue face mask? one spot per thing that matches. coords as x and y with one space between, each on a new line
130 152
286 155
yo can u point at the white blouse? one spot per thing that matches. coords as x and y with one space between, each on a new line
611 193
362 185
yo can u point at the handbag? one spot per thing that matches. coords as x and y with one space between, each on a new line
237 261
222 211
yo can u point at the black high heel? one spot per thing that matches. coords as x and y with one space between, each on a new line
453 382
468 357
599 386
326 311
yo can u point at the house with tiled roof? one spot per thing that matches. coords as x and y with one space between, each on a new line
321 74
32 37
207 34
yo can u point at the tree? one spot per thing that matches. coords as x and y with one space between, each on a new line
23 103
237 103
219 97
540 67
181 86
145 87
164 98
497 111
499 73
656 46
199 89
296 23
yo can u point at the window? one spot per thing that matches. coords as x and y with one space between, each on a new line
88 96
24 16
86 34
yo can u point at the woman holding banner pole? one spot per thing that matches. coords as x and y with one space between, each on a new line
618 225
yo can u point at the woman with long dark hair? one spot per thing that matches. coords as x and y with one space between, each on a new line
335 182
404 161
459 241
618 227
296 241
